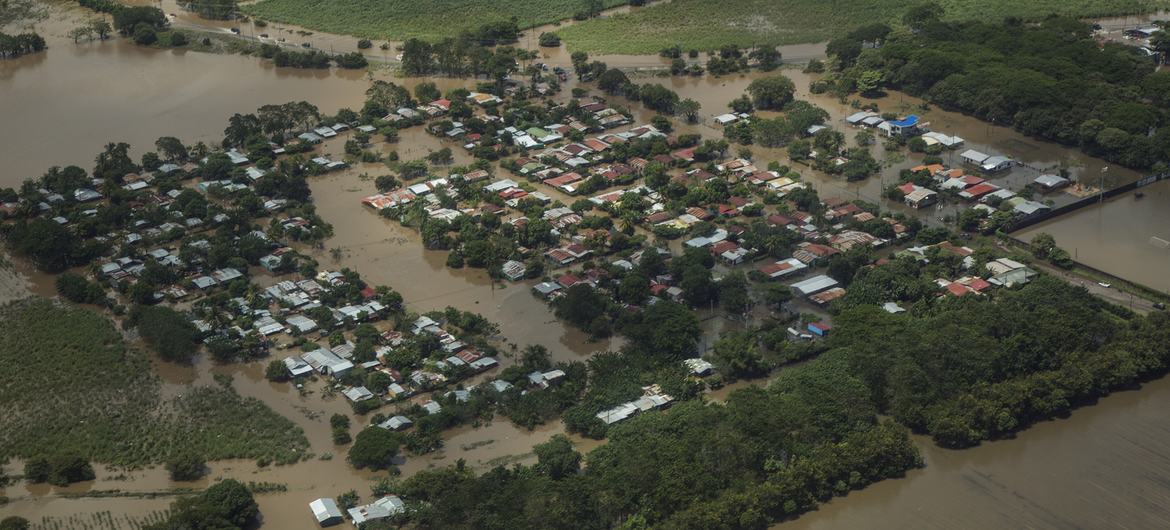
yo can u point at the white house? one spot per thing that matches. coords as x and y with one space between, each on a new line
326 512
380 509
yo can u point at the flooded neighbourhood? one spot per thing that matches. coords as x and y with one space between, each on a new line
1103 466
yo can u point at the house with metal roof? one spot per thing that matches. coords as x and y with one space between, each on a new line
297 367
973 157
1050 182
326 512
995 164
947 141
396 423
814 285
382 508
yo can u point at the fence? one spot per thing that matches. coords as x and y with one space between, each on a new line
1087 201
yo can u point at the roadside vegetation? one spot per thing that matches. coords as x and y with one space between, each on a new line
402 19
71 386
704 25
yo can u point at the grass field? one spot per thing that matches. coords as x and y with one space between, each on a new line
398 20
68 383
704 25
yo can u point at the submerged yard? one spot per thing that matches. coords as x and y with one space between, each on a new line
70 384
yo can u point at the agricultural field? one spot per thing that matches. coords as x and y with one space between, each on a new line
705 25
70 383
398 20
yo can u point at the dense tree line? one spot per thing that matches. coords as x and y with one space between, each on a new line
969 369
226 505
50 246
1050 80
764 456
17 45
473 53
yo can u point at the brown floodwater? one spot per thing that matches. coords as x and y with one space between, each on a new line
1126 236
1105 466
62 105
1100 467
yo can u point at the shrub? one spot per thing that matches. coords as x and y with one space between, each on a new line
550 40
186 466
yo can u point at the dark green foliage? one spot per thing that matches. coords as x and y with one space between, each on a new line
14 523
186 466
276 371
694 466
227 505
581 305
666 329
167 331
1050 80
77 289
974 369
772 92
352 60
374 448
58 470
50 246
557 458
17 45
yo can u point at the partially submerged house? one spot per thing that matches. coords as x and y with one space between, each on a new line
326 512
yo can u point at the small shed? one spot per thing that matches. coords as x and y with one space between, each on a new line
326 512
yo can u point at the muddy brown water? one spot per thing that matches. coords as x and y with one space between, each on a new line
1103 467
1097 468
61 106
1126 236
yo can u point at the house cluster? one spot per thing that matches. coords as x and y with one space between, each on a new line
1000 272
653 398
983 194
453 360
327 513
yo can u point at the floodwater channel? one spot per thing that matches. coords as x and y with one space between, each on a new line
1099 467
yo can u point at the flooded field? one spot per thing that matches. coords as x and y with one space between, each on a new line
1126 236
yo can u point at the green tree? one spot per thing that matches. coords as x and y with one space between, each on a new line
737 355
612 81
733 293
167 331
919 16
69 468
375 448
557 458
37 469
665 329
1042 245
186 466
13 522
276 371
869 81
689 109
771 92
